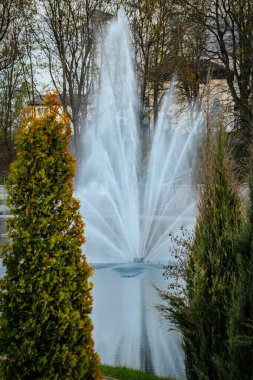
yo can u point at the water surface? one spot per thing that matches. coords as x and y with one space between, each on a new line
129 330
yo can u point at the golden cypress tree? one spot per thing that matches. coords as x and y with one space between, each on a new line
46 297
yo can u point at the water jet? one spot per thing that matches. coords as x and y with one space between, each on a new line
129 215
129 211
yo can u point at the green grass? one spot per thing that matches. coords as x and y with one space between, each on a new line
123 373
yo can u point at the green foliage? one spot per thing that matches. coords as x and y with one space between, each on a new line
124 373
45 294
241 315
202 312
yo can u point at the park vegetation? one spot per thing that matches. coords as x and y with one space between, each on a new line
213 307
124 373
47 278
45 299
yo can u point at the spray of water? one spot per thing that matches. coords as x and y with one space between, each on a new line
129 219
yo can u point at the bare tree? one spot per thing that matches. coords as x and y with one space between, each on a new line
189 41
68 32
230 27
8 32
167 42
151 23
11 87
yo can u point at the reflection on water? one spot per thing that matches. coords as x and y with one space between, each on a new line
128 329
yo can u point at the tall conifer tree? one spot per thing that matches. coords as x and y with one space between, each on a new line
241 313
202 313
46 294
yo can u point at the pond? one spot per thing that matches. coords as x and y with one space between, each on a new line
129 330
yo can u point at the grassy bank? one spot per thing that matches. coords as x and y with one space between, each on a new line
123 373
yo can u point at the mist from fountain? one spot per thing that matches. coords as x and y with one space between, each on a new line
129 214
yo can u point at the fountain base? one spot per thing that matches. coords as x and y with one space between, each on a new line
138 260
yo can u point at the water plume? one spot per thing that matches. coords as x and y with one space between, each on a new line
129 215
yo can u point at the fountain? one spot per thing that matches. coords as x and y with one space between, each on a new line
129 210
